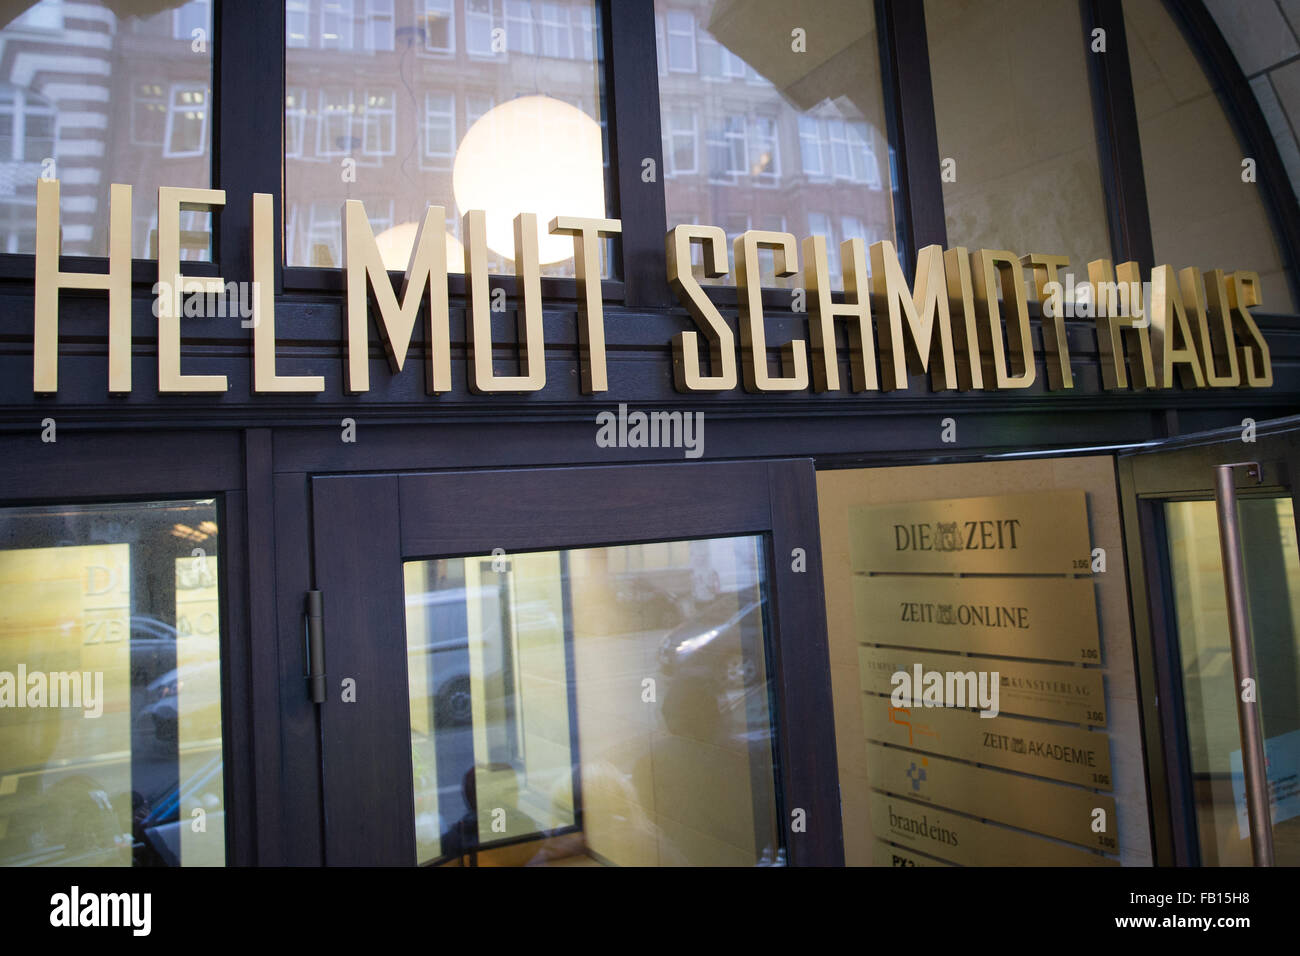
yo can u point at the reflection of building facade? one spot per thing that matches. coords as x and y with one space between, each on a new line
387 90
94 100
808 157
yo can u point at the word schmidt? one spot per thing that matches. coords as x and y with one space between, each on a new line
964 319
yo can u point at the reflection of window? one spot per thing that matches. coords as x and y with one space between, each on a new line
727 150
716 61
556 40
810 146
187 122
148 114
17 225
379 25
519 26
862 153
439 26
296 22
478 27
820 225
295 120
764 156
323 236
194 15
334 129
584 32
680 152
661 47
336 25
476 104
26 126
439 129
681 42
853 228
378 124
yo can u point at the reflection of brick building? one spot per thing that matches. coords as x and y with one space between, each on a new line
108 100
763 138
394 85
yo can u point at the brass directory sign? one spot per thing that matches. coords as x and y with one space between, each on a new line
1073 694
1045 750
959 839
882 854
1043 532
1047 618
1053 809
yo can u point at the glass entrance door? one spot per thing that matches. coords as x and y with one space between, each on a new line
1194 738
1268 534
578 667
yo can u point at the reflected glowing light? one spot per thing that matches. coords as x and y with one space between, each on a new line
531 154
395 247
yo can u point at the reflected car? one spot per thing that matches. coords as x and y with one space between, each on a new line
721 664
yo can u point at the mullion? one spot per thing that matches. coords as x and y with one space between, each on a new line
632 73
1119 149
248 135
909 111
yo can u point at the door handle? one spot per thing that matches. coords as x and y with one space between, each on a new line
1249 722
315 647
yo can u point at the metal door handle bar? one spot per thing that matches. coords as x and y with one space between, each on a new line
1243 661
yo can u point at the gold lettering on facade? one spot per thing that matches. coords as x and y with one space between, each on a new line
1243 293
823 311
964 319
753 335
265 378
1206 298
364 267
1122 341
50 279
532 357
1018 369
1172 343
924 307
687 375
1056 347
586 235
173 287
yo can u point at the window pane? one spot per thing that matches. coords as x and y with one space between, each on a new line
129 102
1209 687
1202 214
767 140
1014 112
110 686
451 113
595 706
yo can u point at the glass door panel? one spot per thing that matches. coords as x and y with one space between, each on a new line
110 686
1209 686
590 665
592 706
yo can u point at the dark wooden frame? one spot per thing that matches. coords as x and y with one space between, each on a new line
82 468
366 526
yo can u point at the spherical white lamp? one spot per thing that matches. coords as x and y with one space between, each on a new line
531 154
